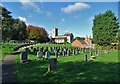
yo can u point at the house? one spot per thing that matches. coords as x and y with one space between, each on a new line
66 38
86 43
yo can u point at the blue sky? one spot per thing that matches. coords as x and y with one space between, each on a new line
71 17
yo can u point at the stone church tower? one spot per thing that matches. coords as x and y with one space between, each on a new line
54 32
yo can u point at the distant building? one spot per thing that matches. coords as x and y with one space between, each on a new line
86 43
66 38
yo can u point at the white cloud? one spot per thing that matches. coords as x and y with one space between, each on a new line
28 4
22 19
75 7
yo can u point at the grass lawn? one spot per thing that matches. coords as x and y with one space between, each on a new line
6 48
69 69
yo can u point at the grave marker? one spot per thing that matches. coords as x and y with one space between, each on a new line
85 58
47 54
52 64
39 54
24 56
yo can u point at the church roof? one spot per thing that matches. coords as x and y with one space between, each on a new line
67 34
60 37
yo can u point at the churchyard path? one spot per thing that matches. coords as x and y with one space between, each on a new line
8 74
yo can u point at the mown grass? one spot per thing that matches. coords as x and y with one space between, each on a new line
6 48
69 69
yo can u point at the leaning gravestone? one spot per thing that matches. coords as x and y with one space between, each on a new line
24 56
39 54
52 64
85 58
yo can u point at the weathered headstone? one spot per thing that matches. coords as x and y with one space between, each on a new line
35 51
24 56
56 54
73 51
27 50
63 52
52 64
85 58
39 54
68 52
47 54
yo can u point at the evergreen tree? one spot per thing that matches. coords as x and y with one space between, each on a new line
7 22
105 28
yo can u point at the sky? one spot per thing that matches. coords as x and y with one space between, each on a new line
68 17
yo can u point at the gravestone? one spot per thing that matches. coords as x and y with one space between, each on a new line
63 52
56 54
77 51
85 58
35 51
39 54
24 56
90 53
27 50
51 49
68 52
73 51
52 64
47 55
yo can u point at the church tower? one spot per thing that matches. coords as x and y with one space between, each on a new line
54 32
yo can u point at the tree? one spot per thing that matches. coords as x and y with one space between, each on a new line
119 39
37 33
6 23
19 30
105 28
12 29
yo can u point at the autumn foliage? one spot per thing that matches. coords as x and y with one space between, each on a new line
37 33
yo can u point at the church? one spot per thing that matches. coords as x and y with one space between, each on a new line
66 38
